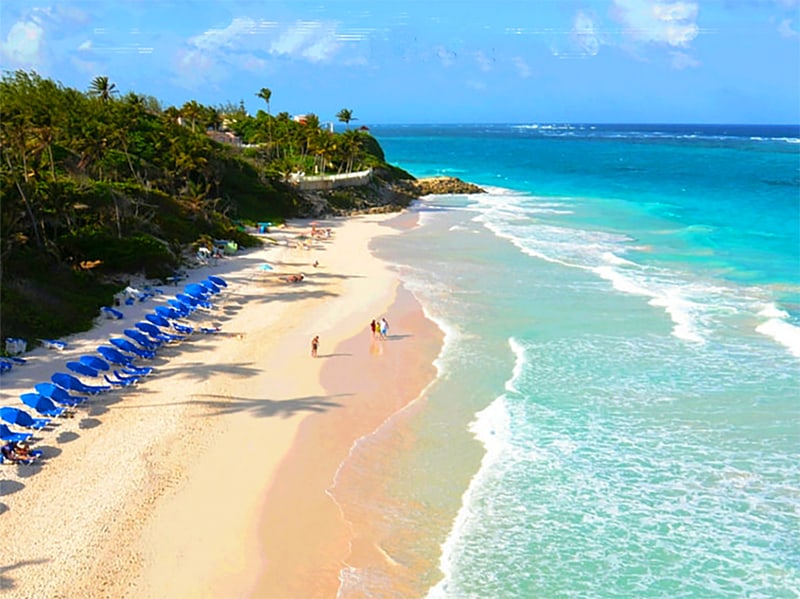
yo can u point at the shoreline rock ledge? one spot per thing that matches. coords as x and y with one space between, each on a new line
443 185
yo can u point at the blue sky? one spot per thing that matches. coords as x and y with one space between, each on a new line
434 61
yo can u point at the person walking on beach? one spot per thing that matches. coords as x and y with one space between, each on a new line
384 327
373 326
314 346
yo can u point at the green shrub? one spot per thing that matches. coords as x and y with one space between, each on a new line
139 253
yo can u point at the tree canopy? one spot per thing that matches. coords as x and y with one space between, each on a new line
97 186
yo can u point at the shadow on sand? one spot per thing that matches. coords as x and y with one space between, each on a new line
7 583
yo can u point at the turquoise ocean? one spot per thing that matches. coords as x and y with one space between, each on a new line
617 406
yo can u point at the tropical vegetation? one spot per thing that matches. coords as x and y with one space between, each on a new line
98 187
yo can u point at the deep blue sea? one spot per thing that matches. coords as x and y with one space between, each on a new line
617 407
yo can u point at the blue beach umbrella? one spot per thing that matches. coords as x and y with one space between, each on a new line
217 280
182 308
157 319
210 286
197 291
168 312
187 299
83 369
94 362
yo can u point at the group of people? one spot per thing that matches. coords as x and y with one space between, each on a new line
379 327
19 453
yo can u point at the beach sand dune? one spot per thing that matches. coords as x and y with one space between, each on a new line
209 478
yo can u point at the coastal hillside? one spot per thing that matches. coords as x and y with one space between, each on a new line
100 188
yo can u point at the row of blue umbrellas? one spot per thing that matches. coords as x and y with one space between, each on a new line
115 361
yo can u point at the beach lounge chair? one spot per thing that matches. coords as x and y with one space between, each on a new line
6 434
210 286
45 407
59 394
152 332
169 312
181 308
114 356
142 339
194 301
129 347
22 418
121 380
219 281
71 383
111 313
162 319
183 329
115 382
156 333
5 366
54 344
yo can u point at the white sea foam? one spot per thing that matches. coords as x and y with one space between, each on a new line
492 428
771 310
612 258
520 362
599 252
783 332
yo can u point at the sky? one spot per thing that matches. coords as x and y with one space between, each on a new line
431 61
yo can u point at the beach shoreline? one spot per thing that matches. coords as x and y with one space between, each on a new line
168 489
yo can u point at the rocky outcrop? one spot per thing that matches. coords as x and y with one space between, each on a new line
379 195
444 185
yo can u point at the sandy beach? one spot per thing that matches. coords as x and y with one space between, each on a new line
210 478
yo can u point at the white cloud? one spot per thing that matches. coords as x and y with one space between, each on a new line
681 60
248 44
647 21
213 39
445 56
522 67
24 45
314 41
786 29
584 34
85 46
484 62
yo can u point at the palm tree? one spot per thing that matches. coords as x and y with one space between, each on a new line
345 115
265 94
101 88
192 111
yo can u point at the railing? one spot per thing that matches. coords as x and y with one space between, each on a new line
325 182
